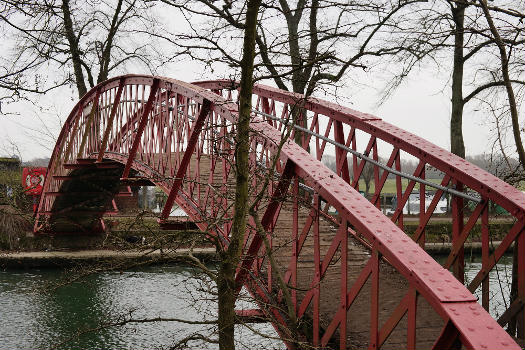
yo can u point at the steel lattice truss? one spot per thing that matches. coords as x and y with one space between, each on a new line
353 278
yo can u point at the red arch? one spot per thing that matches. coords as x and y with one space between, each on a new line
165 129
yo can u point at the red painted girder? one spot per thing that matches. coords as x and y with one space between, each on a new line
109 125
142 124
435 283
181 171
472 176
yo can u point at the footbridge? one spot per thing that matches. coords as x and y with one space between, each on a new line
323 262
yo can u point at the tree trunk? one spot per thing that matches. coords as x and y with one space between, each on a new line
75 53
457 146
517 323
230 258
508 84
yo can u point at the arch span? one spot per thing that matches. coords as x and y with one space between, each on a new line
353 277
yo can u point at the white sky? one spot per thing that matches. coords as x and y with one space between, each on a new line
421 105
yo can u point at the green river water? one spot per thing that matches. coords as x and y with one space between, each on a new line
34 318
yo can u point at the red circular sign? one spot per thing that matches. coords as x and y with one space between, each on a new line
33 180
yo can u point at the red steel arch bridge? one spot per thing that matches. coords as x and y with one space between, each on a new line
323 262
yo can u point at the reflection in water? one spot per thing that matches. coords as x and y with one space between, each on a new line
33 319
499 285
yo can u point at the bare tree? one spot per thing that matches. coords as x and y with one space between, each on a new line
302 46
507 81
82 43
230 257
458 25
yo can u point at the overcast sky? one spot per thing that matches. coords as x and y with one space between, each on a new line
421 105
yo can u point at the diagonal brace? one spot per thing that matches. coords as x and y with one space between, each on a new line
142 125
267 221
199 123
116 103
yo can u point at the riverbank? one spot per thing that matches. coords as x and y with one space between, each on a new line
99 256
61 258
470 247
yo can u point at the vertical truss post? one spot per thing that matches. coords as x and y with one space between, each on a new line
354 164
295 241
485 252
192 142
520 247
374 302
422 205
457 228
73 134
141 126
399 186
377 188
317 277
340 155
114 108
344 286
89 121
411 319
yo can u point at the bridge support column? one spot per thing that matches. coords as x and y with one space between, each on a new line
457 228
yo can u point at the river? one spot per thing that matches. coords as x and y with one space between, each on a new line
33 318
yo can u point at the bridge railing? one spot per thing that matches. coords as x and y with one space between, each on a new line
354 139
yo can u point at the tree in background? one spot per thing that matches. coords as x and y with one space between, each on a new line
70 42
459 27
302 46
